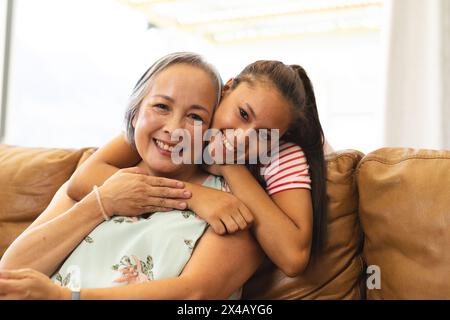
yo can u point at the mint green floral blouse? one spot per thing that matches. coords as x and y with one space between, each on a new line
129 250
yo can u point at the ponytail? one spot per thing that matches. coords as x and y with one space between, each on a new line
308 133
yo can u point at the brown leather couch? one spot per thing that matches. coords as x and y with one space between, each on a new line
390 208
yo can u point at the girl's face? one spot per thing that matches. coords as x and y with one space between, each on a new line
257 106
179 96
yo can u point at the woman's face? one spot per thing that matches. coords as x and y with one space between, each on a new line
179 96
257 106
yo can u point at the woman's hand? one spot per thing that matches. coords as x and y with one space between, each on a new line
28 284
222 210
132 192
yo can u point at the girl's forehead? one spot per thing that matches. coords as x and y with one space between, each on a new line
270 108
262 94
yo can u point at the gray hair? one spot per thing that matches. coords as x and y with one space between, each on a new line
143 85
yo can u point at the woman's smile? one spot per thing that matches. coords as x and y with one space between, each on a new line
164 148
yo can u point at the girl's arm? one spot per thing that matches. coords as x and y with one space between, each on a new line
223 211
106 161
282 223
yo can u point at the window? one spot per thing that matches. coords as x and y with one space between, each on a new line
74 62
5 32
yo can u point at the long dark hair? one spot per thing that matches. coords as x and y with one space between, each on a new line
305 131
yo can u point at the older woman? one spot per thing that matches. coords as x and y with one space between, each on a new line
145 256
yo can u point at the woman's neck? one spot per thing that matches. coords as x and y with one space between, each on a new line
188 173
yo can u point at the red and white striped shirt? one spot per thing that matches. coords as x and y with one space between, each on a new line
287 169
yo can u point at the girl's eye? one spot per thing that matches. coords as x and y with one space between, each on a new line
196 117
243 114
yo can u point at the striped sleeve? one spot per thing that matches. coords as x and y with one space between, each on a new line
288 169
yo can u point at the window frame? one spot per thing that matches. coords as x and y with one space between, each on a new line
5 52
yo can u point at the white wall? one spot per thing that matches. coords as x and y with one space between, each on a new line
417 75
72 70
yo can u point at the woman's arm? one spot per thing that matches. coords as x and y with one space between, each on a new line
54 234
106 161
218 267
65 223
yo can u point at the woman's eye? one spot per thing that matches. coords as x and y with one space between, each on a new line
161 106
243 114
196 117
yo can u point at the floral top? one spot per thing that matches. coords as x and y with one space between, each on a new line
128 250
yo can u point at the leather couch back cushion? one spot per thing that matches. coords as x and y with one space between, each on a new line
29 177
405 214
337 272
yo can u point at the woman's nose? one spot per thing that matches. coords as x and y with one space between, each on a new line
171 124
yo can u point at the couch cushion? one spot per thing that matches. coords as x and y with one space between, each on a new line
29 177
405 214
337 274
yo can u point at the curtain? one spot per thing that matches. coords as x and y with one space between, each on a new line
417 89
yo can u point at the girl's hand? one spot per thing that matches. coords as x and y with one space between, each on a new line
28 284
132 192
223 211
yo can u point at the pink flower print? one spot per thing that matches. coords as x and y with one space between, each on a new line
127 275
137 272
139 275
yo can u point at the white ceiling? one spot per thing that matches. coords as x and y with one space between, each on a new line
251 20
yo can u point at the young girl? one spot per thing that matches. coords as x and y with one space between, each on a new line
288 201
137 256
